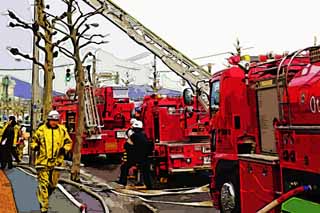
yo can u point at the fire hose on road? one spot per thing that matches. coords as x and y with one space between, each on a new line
141 194
82 187
194 204
81 206
91 187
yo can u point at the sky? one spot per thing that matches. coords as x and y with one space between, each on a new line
196 28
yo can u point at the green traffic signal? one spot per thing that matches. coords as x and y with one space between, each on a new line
68 75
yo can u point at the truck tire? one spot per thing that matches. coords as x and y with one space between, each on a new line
229 195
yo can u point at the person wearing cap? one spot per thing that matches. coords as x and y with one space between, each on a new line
8 142
140 155
51 141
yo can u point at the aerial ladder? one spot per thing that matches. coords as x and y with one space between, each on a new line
92 117
184 67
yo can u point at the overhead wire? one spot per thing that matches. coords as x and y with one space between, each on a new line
29 69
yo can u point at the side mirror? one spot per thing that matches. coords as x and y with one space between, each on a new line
188 96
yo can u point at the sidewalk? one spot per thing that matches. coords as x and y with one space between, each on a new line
20 195
7 202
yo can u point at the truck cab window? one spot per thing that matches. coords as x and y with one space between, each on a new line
215 95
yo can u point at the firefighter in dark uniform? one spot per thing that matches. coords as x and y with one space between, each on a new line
137 154
128 146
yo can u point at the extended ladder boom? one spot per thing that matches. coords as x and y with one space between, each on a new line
175 60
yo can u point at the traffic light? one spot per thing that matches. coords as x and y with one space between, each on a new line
68 75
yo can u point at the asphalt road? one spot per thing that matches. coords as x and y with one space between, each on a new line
24 188
108 170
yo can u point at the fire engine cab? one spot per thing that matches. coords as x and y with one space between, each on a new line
264 133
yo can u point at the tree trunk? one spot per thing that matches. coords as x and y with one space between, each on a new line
48 75
76 159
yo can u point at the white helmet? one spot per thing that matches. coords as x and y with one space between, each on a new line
53 115
132 121
137 124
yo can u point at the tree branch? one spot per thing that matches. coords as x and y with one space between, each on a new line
93 42
34 28
83 32
60 31
57 43
22 25
39 46
44 38
95 35
12 15
79 9
58 18
86 16
16 51
66 52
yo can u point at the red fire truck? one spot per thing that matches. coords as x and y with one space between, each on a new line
251 101
181 140
179 134
107 115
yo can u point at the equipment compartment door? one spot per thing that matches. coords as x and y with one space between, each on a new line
268 110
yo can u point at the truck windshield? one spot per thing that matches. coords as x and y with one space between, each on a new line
120 93
215 94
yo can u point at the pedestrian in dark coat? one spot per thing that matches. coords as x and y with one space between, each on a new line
6 143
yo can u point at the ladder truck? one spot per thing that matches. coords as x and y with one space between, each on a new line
183 144
107 114
264 122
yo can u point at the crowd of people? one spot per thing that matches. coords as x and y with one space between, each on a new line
51 142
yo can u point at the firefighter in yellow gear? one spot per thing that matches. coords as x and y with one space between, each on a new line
16 144
52 142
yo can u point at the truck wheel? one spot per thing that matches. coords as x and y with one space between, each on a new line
229 197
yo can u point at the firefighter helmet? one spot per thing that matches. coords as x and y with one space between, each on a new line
132 121
137 124
53 115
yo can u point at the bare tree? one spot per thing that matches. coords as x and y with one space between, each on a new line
78 34
43 29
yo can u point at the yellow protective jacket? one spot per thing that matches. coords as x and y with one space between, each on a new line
49 143
2 130
16 134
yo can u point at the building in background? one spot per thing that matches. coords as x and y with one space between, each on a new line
15 98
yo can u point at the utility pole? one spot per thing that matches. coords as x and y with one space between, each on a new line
35 81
